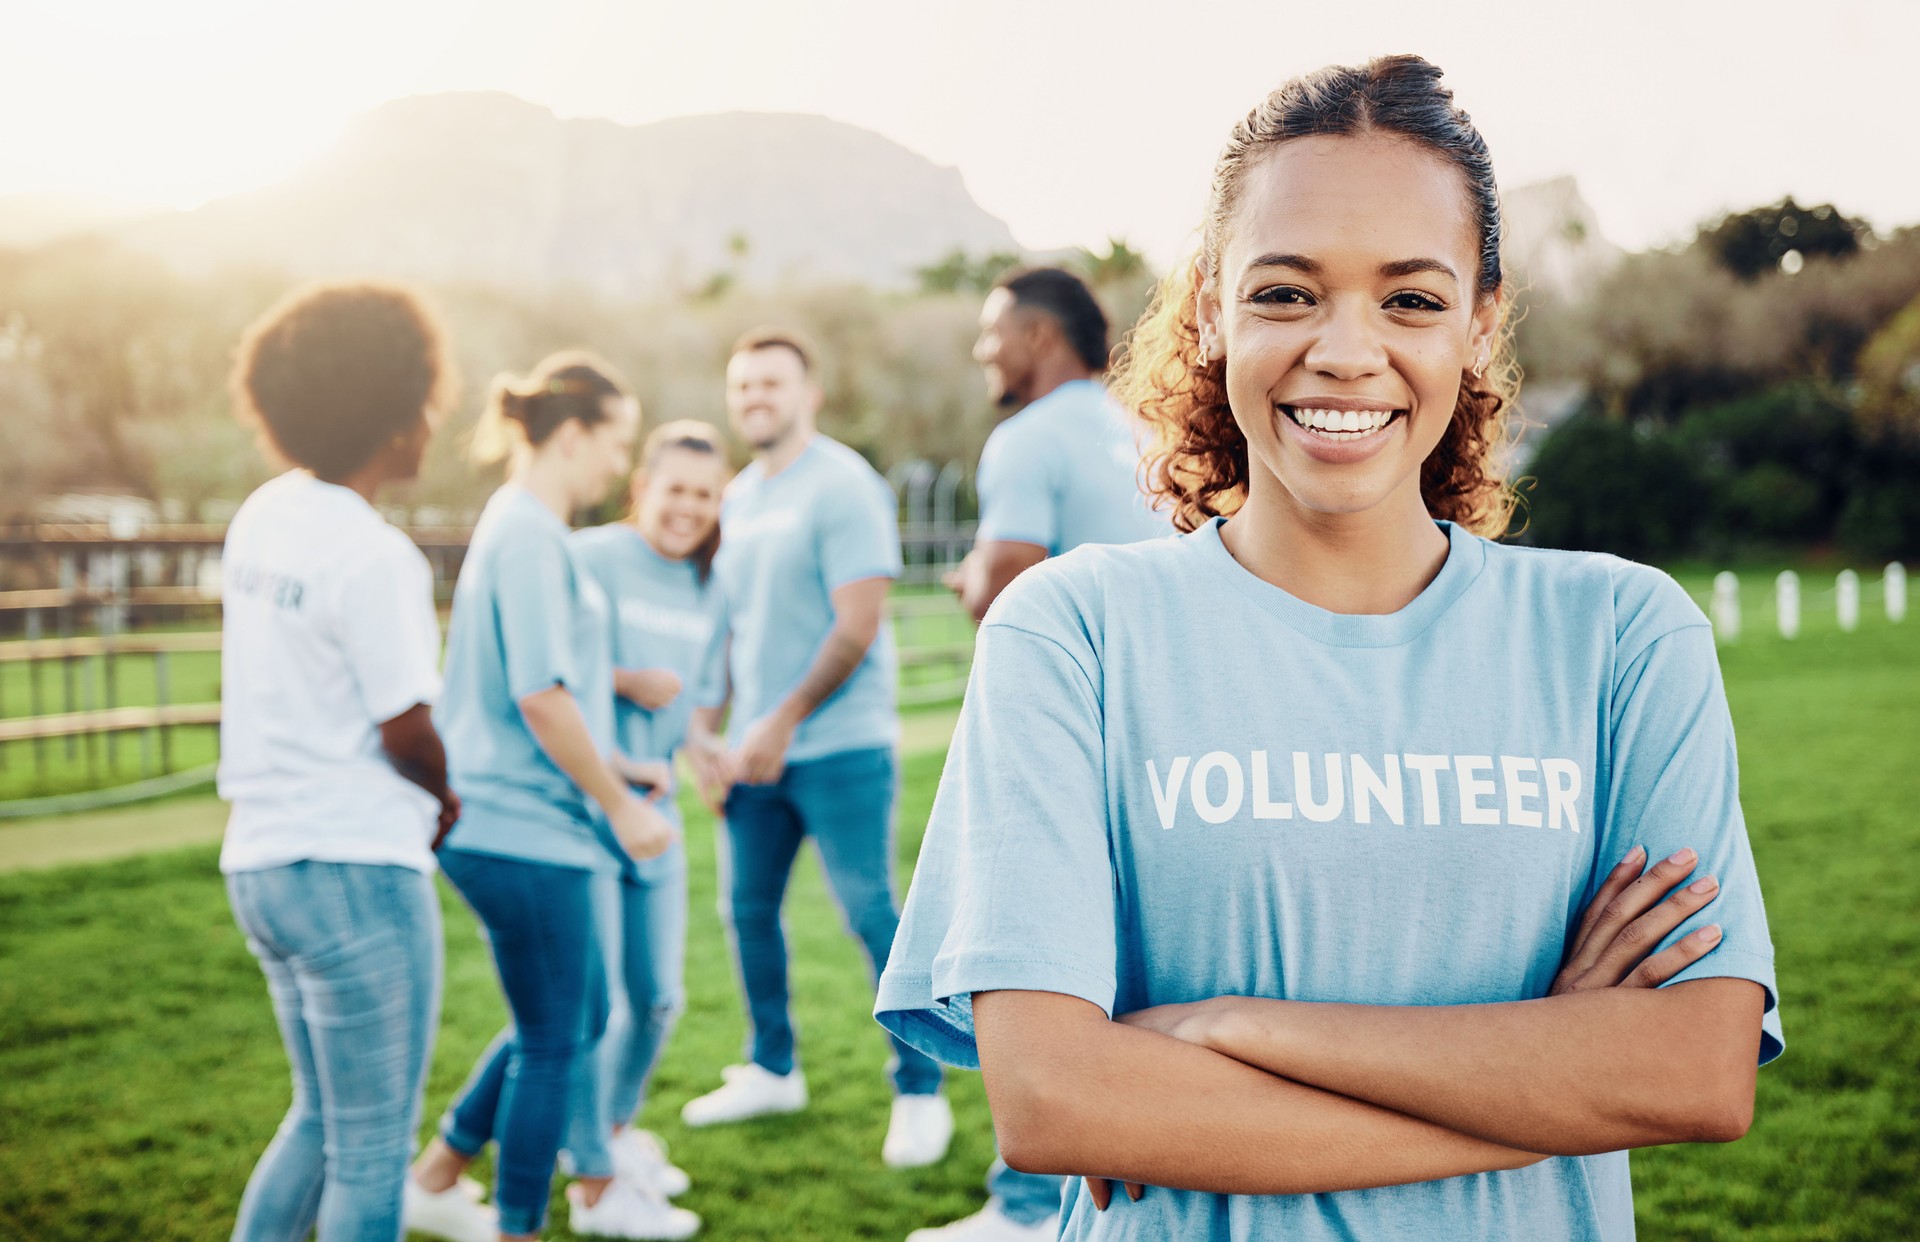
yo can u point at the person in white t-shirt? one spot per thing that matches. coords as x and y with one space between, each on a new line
328 753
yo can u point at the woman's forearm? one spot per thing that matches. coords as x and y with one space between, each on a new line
1074 1093
554 717
1572 1075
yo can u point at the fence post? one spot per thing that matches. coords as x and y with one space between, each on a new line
1726 605
1846 600
1894 585
1786 597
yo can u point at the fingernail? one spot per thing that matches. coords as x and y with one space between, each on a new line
1705 884
1683 857
1708 935
1634 855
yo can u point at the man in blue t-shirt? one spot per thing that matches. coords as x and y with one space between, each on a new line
1061 471
809 545
1064 468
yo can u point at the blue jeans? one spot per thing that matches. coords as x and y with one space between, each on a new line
1025 1198
538 922
845 803
352 955
643 939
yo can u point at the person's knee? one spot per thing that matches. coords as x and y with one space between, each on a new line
661 1012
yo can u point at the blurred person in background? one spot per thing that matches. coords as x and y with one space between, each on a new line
1296 870
1063 469
810 545
529 720
657 569
330 656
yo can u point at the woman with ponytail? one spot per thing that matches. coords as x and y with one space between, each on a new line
545 803
1295 872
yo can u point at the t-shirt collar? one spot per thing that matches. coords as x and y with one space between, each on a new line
1466 557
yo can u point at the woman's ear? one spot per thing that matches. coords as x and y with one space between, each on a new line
1206 307
1480 336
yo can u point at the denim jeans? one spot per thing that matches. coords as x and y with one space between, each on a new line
538 922
845 803
1025 1198
352 955
643 937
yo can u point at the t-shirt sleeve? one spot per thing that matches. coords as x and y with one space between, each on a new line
388 631
1017 496
1675 782
859 533
533 597
1014 888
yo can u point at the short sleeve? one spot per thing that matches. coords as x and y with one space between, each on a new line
533 597
388 631
1014 888
859 532
1018 503
1674 783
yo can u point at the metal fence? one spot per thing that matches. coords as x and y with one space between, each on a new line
109 655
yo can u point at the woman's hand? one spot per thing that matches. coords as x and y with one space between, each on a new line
651 688
641 829
654 776
1629 917
712 767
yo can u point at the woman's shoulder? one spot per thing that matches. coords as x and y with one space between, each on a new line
1642 603
1071 593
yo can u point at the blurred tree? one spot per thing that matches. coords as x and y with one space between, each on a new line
1890 378
958 272
1120 265
1606 485
1759 241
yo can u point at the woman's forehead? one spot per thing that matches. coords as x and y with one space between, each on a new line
1363 201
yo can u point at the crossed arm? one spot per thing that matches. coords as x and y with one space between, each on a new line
1247 1096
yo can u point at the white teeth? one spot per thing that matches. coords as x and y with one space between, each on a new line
1342 424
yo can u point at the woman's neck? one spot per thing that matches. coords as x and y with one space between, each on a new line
1365 564
538 475
652 540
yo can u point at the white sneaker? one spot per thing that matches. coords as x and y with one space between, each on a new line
451 1214
625 1211
989 1224
749 1091
918 1135
641 1158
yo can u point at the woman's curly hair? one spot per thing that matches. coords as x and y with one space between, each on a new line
335 370
1197 458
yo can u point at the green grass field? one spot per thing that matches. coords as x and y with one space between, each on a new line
142 1073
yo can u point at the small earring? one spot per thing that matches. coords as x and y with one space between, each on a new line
1479 366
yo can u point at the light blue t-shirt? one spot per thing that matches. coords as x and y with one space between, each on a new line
1066 471
786 544
662 616
526 616
1172 781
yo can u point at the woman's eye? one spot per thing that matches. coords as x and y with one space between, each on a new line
1283 295
1409 300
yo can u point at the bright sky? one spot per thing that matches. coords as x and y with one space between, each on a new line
1071 121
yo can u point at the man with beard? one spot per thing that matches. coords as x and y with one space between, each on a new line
809 545
1063 469
1060 471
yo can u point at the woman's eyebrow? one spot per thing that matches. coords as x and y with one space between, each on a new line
1393 270
1413 267
1298 262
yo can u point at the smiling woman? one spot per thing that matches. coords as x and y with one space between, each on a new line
1296 869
